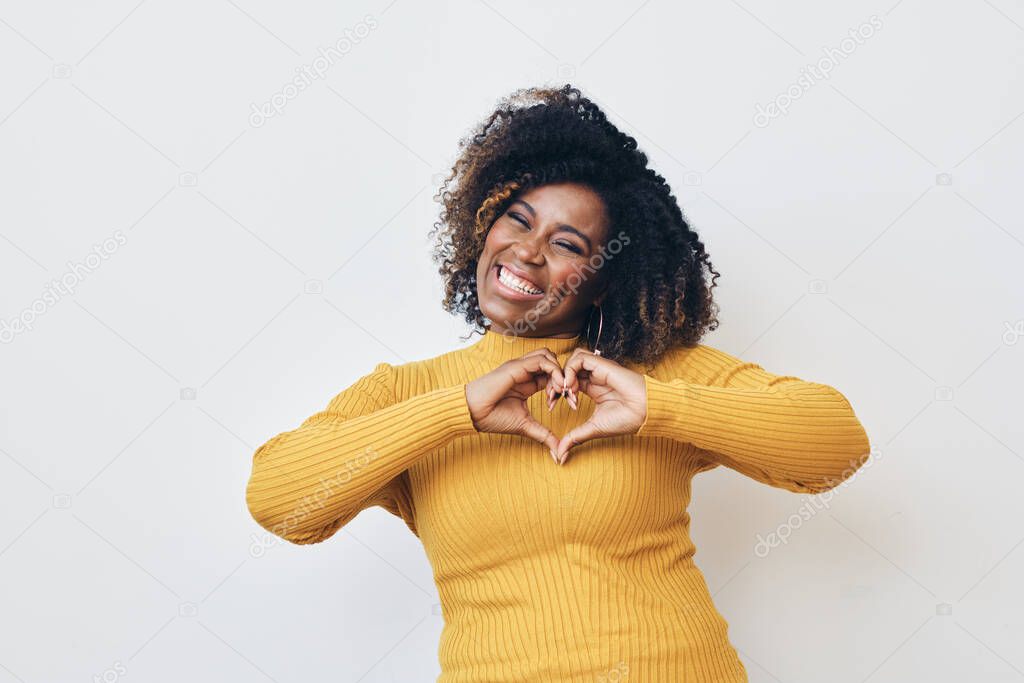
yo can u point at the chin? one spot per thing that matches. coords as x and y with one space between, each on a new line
499 312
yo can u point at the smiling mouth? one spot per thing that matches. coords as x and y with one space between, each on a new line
517 283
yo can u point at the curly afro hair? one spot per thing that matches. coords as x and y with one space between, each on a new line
659 293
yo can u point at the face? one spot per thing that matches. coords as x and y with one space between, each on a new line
545 237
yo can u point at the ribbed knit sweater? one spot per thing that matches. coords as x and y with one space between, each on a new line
579 572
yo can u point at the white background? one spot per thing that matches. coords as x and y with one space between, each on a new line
870 238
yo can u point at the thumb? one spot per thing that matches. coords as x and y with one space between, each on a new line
538 432
583 433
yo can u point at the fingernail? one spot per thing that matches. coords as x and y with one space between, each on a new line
553 456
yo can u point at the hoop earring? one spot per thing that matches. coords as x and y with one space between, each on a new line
600 324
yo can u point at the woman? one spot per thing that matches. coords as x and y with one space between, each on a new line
575 261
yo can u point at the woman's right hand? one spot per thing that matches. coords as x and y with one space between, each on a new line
497 400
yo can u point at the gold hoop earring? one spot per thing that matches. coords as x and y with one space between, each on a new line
600 324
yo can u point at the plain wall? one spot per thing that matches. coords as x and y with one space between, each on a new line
230 273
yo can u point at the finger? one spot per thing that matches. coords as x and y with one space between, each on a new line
581 434
581 360
558 390
553 392
541 434
557 376
552 381
572 368
551 357
535 369
553 376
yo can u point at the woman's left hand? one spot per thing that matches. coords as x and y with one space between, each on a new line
619 395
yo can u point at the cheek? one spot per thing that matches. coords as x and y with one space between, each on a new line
573 281
485 257
493 244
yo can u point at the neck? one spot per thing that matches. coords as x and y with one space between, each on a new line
503 346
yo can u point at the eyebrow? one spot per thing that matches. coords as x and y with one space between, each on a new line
560 226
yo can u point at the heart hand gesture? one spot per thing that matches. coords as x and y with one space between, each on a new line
497 400
619 394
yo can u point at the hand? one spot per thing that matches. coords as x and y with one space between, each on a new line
619 393
497 400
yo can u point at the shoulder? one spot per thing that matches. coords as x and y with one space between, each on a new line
699 364
377 384
416 376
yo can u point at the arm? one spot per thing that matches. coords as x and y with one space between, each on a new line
309 482
780 430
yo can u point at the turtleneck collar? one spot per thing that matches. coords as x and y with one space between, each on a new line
503 347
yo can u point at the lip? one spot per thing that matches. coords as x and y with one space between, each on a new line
519 274
507 291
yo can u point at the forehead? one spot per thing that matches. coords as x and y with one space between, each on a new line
571 203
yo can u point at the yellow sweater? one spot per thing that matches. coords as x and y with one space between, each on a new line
580 572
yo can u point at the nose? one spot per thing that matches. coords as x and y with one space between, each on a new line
528 249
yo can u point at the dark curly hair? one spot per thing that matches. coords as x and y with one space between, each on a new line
659 292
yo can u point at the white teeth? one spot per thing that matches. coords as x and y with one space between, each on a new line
512 281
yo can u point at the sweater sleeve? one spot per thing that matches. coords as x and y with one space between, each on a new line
309 482
780 430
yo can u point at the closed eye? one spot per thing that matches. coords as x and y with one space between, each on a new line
518 218
565 245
